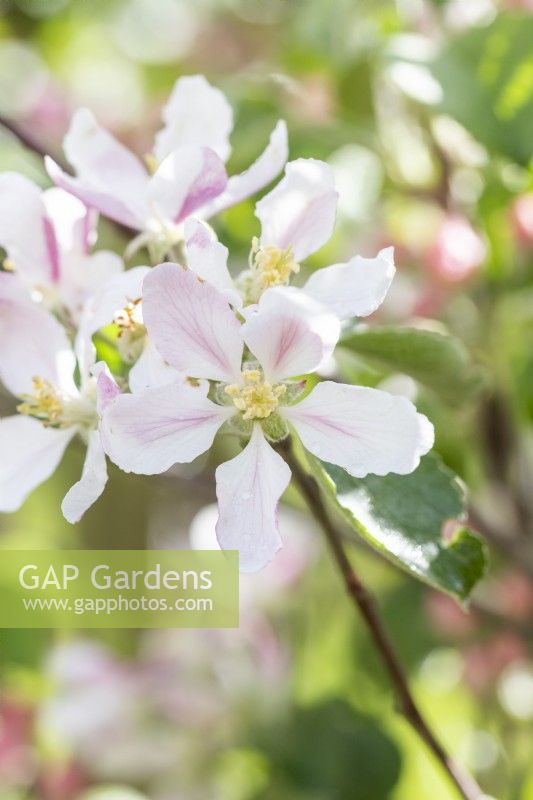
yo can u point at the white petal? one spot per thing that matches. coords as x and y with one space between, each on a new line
196 114
103 163
249 488
33 343
187 179
30 454
256 177
209 259
362 430
124 288
300 211
191 324
92 483
83 276
25 232
151 370
85 356
284 343
149 432
354 289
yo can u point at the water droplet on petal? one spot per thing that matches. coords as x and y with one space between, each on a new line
246 496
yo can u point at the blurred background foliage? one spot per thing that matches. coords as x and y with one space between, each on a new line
424 109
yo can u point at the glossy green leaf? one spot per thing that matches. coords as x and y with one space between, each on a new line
439 362
401 516
486 77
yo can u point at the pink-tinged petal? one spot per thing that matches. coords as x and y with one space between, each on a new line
256 177
104 165
249 488
151 370
191 324
88 489
209 259
25 232
300 211
196 114
354 289
318 331
364 431
106 386
108 176
33 341
73 223
149 432
284 344
30 454
104 201
187 179
52 249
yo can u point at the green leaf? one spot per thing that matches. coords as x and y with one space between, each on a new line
486 77
401 516
440 362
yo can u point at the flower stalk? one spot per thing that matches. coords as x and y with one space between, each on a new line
365 605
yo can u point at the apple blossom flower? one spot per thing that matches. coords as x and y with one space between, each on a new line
38 366
242 375
47 236
187 165
52 409
297 218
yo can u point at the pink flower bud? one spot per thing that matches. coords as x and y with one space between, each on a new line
457 252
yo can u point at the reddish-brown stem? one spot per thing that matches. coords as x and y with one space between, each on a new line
364 603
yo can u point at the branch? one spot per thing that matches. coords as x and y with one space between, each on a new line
362 600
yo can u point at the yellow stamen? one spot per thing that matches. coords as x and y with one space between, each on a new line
8 265
131 331
151 163
43 404
256 398
271 266
129 317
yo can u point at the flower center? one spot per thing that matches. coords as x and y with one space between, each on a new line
271 266
43 403
255 397
56 410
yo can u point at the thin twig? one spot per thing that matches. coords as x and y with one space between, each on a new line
364 603
27 140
